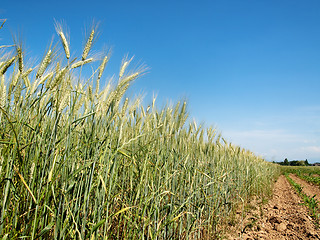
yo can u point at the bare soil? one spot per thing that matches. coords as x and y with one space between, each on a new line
283 217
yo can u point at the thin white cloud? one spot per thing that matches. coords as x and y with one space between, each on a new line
312 149
293 133
276 144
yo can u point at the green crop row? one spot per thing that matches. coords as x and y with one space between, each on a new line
310 174
309 170
310 178
310 202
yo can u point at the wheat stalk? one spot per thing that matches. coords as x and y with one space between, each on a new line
3 21
79 103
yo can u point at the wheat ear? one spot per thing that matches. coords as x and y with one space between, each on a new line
65 44
81 63
103 66
44 64
88 46
64 41
2 92
124 65
58 78
6 65
25 77
48 76
20 59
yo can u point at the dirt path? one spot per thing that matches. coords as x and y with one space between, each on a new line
283 217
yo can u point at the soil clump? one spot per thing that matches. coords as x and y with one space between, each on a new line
283 217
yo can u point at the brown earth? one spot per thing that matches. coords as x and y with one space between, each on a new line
283 217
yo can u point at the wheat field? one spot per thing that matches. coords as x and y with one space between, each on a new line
81 161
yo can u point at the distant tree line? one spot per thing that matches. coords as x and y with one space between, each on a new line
293 163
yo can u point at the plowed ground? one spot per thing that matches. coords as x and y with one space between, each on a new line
283 217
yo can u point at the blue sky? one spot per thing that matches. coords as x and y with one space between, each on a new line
250 68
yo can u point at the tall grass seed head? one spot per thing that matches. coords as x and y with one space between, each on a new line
44 64
81 63
7 64
103 65
2 91
59 77
20 58
88 45
64 39
125 63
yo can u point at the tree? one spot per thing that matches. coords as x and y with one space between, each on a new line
306 162
286 162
